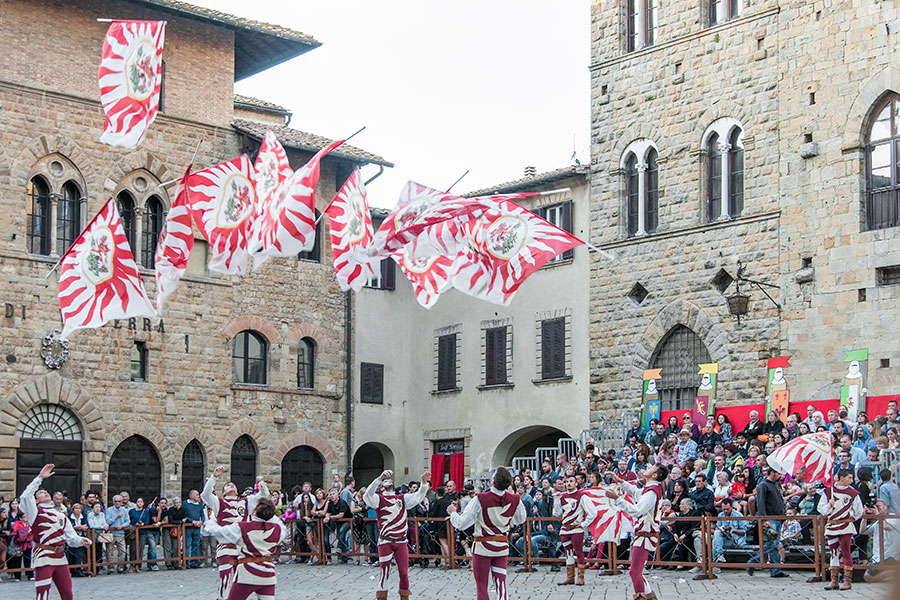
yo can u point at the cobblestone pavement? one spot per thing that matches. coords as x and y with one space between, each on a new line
349 582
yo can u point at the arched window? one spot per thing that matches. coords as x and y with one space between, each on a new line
243 462
49 422
315 253
883 165
714 169
68 217
302 463
632 194
192 468
125 204
678 354
38 231
134 467
152 227
735 174
249 358
306 363
651 201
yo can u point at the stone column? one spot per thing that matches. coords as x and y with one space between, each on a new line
724 149
138 232
642 198
52 212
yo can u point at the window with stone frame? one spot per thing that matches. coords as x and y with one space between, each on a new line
447 351
139 360
38 231
154 217
720 11
640 23
678 353
385 276
723 164
243 462
143 206
553 344
68 216
249 358
306 363
125 204
640 165
560 214
371 383
496 352
883 165
314 254
55 205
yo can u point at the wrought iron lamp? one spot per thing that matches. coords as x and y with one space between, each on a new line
739 302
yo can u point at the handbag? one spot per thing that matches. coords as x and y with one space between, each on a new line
13 550
105 537
174 532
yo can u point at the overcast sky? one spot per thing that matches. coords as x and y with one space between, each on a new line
442 87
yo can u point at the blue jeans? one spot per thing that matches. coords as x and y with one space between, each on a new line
191 544
151 538
720 542
536 539
770 547
344 544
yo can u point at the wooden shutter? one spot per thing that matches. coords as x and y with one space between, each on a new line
553 348
371 383
446 362
495 356
388 270
566 223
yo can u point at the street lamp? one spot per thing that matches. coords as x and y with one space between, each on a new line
739 302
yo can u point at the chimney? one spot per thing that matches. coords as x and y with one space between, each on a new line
530 171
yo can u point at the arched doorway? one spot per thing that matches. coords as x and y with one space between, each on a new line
524 443
678 354
243 462
302 463
369 461
192 468
134 467
50 433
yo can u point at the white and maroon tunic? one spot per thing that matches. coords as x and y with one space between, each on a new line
50 527
255 541
230 510
390 512
647 513
847 509
575 510
492 513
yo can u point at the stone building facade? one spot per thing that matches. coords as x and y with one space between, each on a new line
726 131
433 396
152 405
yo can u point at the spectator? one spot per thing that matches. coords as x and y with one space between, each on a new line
672 427
770 503
718 467
96 521
657 437
754 428
335 509
739 491
687 535
734 462
623 471
863 439
835 425
790 533
730 532
19 548
143 516
792 427
347 495
636 431
891 528
666 454
889 492
641 460
117 519
809 503
741 444
772 426
857 455
844 462
547 473
703 497
722 491
562 463
178 516
687 448
194 516
723 427
709 439
687 421
892 436
74 555
168 543
590 464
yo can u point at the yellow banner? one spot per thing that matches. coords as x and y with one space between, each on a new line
652 374
708 368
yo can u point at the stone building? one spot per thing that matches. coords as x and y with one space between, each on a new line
757 131
469 385
248 372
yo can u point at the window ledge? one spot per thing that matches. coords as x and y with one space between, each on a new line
562 379
45 258
448 391
558 263
496 386
279 390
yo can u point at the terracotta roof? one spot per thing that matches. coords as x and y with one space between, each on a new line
310 142
527 183
260 104
257 45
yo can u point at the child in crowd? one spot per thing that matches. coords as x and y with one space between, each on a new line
790 532
739 491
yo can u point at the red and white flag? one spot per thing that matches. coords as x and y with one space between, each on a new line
429 276
351 229
175 243
504 247
271 170
223 201
812 451
98 278
130 77
609 524
287 226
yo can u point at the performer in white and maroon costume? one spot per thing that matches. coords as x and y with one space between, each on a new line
229 509
492 513
390 513
842 505
52 531
646 512
256 541
576 511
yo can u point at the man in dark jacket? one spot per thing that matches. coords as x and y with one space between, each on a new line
770 502
754 428
703 497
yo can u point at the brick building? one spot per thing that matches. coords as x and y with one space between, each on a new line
757 131
249 372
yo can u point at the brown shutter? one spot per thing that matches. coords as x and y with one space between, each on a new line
567 225
388 270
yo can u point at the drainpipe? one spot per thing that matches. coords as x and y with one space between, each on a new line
348 355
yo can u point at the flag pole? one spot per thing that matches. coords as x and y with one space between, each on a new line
177 179
603 253
344 141
66 253
457 181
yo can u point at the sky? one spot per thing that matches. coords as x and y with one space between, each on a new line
442 87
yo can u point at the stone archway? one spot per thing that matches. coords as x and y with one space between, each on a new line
369 461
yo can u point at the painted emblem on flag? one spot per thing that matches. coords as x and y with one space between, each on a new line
418 205
236 202
97 263
505 237
356 227
141 69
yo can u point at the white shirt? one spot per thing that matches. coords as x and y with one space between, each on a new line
465 519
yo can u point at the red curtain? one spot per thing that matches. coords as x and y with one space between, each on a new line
456 469
437 470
